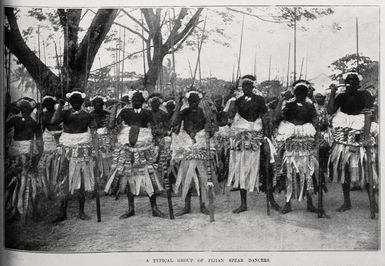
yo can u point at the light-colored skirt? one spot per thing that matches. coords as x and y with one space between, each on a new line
134 166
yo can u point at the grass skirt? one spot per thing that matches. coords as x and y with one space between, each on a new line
134 166
21 185
299 159
245 151
77 161
348 154
106 148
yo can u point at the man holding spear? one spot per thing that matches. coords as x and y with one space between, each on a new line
247 140
348 158
77 170
189 146
135 155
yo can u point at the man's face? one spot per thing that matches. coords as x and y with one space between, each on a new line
193 101
49 104
170 107
301 93
137 101
247 90
98 104
25 109
76 102
352 83
155 103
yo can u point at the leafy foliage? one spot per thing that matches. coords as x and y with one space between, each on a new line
366 67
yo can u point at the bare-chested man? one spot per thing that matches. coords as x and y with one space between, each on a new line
348 124
76 142
21 161
134 156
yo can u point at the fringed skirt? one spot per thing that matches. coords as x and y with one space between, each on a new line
134 166
245 160
222 146
21 185
165 168
350 158
301 165
193 174
299 159
106 148
49 162
348 155
77 161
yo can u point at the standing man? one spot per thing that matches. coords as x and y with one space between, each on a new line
49 164
248 138
105 138
134 156
76 141
347 156
297 130
189 147
22 158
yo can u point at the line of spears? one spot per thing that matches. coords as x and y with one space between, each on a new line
190 144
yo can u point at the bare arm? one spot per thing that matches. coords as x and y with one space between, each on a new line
57 117
332 108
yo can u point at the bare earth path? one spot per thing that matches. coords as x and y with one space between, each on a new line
248 231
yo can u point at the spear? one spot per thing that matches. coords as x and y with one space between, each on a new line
199 50
240 48
300 73
358 56
199 63
144 59
124 49
232 77
101 72
58 66
306 67
38 42
295 43
45 57
96 141
191 73
288 68
269 66
255 63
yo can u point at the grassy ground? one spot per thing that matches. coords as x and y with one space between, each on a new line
248 231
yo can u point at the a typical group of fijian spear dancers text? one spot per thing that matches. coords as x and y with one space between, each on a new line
207 260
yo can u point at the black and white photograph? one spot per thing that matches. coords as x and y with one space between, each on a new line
192 129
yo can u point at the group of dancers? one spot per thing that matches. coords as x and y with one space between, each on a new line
190 144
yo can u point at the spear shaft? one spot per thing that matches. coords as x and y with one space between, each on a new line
240 48
199 50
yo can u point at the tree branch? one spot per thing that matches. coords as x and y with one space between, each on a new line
135 20
149 16
252 15
47 81
181 36
131 30
94 37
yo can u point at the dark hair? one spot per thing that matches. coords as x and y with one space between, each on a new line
247 84
301 88
138 95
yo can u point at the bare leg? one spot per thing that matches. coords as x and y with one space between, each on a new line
82 200
243 206
131 207
187 205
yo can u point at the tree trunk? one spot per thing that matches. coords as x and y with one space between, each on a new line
45 79
78 58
